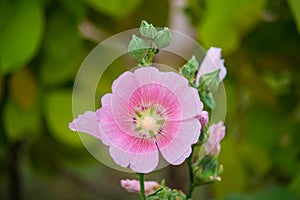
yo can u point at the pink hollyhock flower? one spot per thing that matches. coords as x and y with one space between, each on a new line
148 111
134 186
216 134
203 118
212 62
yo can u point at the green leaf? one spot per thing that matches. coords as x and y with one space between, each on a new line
224 22
114 8
20 123
295 8
63 50
21 24
58 116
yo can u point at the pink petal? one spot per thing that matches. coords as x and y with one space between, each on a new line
156 94
173 148
124 86
188 97
146 75
183 157
139 162
217 133
87 123
212 62
126 149
134 186
203 118
106 100
128 82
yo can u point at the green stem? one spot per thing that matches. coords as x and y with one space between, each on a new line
191 175
142 185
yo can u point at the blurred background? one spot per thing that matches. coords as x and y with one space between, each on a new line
43 43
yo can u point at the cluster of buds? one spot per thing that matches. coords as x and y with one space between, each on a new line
151 41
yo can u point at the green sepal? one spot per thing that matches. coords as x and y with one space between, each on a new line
206 170
209 82
204 135
165 193
163 38
148 30
208 99
137 47
189 70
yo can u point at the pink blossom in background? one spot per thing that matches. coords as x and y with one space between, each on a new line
134 186
148 111
216 134
212 62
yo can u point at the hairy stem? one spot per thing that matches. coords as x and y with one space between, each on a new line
142 185
191 176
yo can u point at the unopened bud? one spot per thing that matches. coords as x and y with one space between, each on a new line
148 30
163 38
137 47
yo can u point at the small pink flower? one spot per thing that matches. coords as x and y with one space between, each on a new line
203 118
216 134
212 62
148 111
134 186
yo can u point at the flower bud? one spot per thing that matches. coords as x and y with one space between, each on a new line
217 133
163 38
137 47
134 186
148 30
203 118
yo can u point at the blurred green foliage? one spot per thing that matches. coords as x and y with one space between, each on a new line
43 43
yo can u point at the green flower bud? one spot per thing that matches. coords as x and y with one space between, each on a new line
148 30
137 47
163 38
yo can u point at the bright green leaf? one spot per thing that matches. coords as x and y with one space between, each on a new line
224 22
20 123
295 7
21 25
114 8
63 50
58 116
